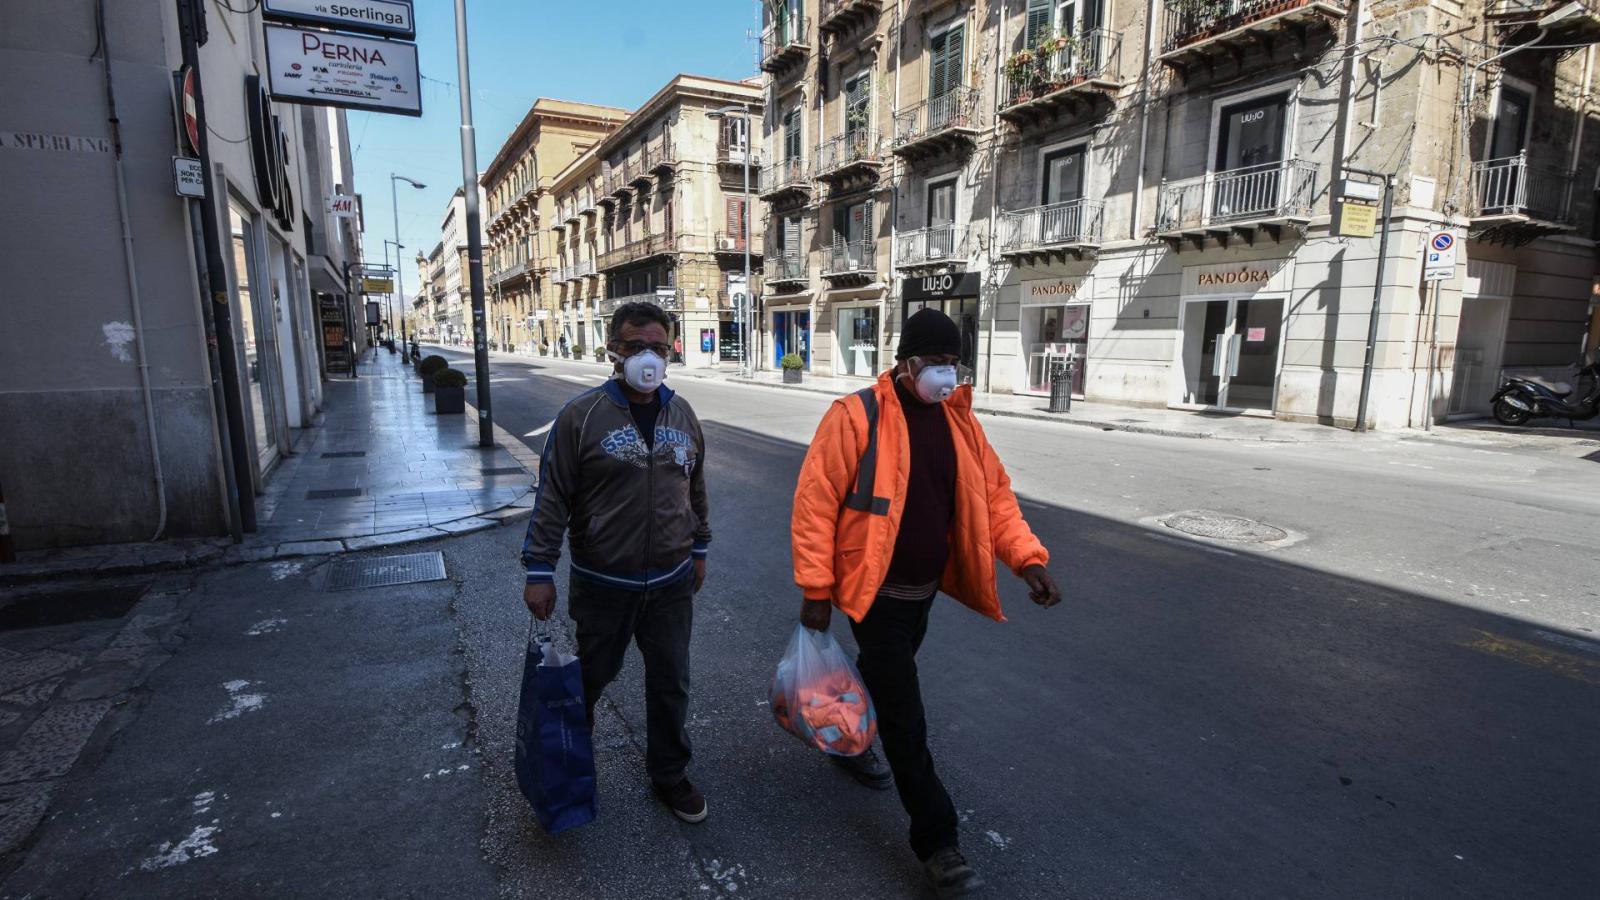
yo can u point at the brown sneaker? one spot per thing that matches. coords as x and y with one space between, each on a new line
685 801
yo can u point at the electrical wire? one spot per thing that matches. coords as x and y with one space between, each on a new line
226 140
242 12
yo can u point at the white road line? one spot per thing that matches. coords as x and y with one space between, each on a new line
581 379
541 429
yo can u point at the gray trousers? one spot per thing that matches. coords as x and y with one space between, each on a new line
659 621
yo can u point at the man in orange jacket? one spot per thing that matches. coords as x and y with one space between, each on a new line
901 497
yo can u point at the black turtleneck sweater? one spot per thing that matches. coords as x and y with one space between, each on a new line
923 544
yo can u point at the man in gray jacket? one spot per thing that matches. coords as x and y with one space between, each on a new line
623 479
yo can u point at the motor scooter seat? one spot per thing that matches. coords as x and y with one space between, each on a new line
1559 388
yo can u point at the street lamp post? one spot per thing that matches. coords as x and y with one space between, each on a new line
399 282
742 311
469 187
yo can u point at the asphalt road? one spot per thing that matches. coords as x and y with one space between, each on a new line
1397 700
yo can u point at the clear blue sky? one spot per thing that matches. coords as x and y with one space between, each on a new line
615 52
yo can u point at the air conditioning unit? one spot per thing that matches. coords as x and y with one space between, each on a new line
727 243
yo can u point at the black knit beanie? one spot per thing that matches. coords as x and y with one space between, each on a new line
929 333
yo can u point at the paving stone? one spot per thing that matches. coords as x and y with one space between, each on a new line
33 667
34 694
22 806
309 548
466 526
52 743
392 538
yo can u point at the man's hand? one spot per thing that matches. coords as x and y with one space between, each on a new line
816 614
541 600
1041 587
699 574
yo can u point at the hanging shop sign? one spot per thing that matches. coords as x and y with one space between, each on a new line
385 18
321 68
374 313
378 285
939 287
342 206
268 153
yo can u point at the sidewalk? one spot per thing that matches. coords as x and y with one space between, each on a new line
377 468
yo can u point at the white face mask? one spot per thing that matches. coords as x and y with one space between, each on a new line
935 384
644 371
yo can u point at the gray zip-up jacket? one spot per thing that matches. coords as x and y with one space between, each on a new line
635 519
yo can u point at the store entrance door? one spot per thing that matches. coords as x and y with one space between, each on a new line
1229 353
791 333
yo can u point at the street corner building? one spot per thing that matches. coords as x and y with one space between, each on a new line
1140 196
113 428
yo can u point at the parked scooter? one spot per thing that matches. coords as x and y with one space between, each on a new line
1521 399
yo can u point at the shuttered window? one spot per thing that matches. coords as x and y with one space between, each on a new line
791 135
735 220
791 237
944 62
1038 22
858 104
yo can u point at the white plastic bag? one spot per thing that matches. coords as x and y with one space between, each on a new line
818 696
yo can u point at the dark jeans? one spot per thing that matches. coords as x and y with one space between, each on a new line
659 621
889 637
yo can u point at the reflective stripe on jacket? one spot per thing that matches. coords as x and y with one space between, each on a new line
842 545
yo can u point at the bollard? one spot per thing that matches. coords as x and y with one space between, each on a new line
1061 385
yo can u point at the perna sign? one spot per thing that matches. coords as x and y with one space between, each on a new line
322 68
940 287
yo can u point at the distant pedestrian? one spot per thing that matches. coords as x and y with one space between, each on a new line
622 477
677 349
900 497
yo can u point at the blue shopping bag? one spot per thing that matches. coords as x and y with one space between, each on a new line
555 751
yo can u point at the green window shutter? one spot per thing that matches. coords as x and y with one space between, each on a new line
1038 22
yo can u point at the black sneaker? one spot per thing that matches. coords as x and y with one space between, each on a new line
868 768
685 801
950 874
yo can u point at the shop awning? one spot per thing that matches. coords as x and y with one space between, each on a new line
325 278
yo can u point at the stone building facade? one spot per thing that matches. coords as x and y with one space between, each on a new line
1146 190
671 208
113 407
519 252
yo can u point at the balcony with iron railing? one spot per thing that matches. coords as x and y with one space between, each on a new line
841 16
852 155
851 260
661 155
510 272
731 153
788 178
733 242
1519 201
937 126
637 172
670 299
786 273
580 270
1514 18
1195 30
936 245
647 247
1066 78
1071 227
1238 202
785 42
617 181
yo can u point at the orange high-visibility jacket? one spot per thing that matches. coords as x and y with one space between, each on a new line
842 550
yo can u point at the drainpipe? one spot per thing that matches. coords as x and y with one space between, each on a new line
994 201
1347 114
895 170
1144 116
130 272
1577 133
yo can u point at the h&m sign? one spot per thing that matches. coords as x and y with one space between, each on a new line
940 287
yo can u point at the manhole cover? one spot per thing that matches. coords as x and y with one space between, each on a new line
1221 527
60 607
344 454
503 470
386 570
333 493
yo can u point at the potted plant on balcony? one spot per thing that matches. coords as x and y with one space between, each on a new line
449 391
1020 72
427 367
793 366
